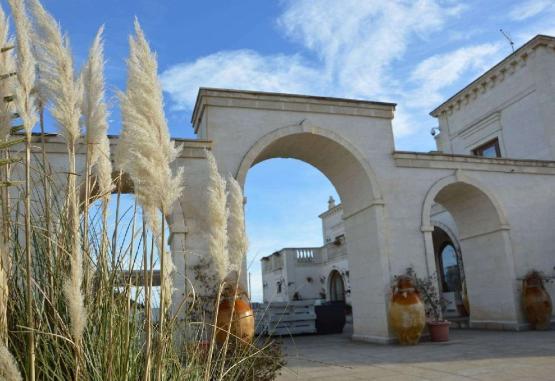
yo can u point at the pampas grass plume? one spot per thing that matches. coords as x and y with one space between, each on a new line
24 100
95 116
7 67
217 219
237 238
8 368
145 150
57 80
73 294
65 93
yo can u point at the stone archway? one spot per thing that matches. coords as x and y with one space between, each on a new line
358 189
484 237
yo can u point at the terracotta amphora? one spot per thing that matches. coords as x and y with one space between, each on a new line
235 315
536 301
407 316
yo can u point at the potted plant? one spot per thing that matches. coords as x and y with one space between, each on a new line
434 304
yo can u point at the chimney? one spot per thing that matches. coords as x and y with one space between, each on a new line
331 203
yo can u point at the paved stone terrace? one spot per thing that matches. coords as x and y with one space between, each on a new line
469 355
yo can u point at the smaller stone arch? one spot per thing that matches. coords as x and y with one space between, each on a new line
458 177
485 245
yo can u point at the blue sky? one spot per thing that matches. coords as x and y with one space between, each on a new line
415 53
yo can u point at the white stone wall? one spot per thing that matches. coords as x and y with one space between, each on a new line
514 102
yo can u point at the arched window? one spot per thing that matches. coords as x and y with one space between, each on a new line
337 287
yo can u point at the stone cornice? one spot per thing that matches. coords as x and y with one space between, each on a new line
56 144
438 160
287 102
495 75
331 211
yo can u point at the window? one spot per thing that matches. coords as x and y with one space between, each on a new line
279 287
489 149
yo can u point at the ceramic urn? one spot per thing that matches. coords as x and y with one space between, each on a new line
536 301
235 315
407 316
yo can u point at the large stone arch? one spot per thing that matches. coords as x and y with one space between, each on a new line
356 183
278 143
484 237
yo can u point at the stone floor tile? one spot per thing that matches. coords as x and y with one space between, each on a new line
469 355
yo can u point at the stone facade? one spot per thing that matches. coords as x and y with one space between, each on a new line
500 211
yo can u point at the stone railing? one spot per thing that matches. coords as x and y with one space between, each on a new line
307 254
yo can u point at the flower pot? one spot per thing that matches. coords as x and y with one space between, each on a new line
235 315
407 316
536 302
439 330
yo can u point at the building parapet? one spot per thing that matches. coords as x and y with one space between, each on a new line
299 255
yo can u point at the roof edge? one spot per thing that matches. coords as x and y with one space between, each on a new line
538 40
230 93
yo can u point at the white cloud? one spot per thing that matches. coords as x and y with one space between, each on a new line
440 71
239 69
530 9
358 40
355 42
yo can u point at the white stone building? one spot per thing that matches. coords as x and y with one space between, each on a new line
489 190
311 273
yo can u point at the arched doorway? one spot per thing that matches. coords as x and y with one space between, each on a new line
485 247
450 270
337 287
363 213
286 226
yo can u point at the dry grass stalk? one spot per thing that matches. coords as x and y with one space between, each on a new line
25 105
8 368
4 271
146 152
65 93
95 120
217 217
7 67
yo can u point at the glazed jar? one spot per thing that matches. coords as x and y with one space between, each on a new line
407 316
236 315
536 301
